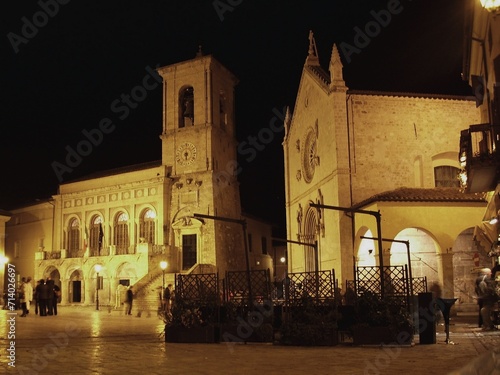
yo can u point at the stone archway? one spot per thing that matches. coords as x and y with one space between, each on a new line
424 252
366 253
467 258
126 275
76 287
53 273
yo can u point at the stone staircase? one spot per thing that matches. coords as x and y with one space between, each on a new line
148 290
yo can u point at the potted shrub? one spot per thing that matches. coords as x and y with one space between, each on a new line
240 324
188 323
310 324
381 321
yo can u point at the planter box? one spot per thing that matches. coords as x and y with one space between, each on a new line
179 334
232 332
329 339
381 336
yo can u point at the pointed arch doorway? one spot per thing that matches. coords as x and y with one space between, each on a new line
310 232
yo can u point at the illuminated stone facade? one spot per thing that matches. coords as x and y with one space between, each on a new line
355 149
128 220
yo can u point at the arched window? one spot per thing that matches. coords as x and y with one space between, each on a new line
121 233
446 176
95 236
73 237
186 107
147 226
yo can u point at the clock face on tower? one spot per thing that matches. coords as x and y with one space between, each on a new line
186 153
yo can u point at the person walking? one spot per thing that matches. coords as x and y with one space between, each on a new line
50 297
22 296
35 296
167 296
43 297
57 294
130 300
28 288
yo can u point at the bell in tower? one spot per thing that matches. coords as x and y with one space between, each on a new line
187 105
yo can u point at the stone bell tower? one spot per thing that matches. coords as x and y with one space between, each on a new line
199 144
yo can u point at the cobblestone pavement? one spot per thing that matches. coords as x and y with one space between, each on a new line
81 340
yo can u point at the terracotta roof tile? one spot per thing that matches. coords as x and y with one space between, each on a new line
424 195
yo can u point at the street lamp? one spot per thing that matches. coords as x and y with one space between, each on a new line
285 283
98 269
283 263
163 266
492 6
3 261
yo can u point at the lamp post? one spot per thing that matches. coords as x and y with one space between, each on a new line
285 283
378 218
283 266
163 266
98 269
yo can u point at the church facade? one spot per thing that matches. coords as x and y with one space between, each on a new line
379 165
113 229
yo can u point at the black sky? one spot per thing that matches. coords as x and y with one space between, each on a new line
85 55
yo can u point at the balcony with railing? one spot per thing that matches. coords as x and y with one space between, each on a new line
479 158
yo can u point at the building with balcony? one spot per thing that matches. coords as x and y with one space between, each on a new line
122 224
480 141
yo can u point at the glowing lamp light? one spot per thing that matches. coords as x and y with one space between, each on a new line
492 6
282 259
163 266
463 160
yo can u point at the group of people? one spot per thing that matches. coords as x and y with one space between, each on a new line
487 296
45 296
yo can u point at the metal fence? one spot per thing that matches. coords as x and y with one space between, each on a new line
198 288
316 286
242 288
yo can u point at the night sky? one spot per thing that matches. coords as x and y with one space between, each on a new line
64 64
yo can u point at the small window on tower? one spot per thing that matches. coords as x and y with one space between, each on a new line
223 109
